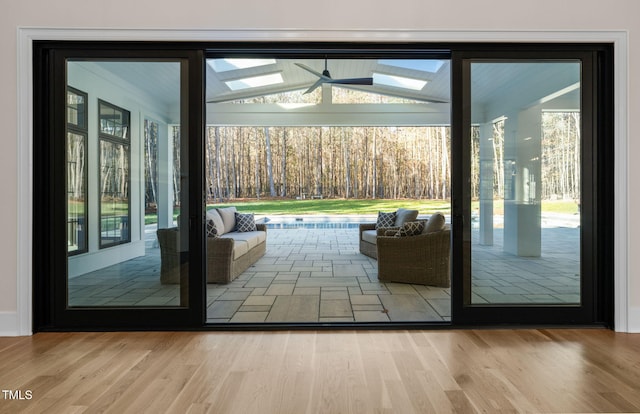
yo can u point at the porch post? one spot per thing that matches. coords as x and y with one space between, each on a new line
523 148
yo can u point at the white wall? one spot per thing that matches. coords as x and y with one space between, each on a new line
383 20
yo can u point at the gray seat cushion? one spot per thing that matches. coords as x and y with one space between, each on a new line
369 236
252 238
240 248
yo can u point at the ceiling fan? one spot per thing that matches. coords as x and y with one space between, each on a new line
325 77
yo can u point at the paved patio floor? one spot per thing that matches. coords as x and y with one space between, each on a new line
318 276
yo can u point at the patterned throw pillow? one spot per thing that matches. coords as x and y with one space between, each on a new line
212 230
245 222
412 228
386 219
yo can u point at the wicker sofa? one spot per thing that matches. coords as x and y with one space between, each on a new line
230 250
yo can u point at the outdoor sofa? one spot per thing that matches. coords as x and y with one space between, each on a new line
234 243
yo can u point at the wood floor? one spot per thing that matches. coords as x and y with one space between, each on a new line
559 371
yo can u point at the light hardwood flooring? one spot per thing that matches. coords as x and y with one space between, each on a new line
465 371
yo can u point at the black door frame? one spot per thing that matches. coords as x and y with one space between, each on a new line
50 252
596 244
45 264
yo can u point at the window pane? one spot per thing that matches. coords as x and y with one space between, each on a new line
114 195
136 248
76 193
76 110
526 231
114 121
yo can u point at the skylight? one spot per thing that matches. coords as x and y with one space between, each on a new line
255 81
423 65
398 81
225 65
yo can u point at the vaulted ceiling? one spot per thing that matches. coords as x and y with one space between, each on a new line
435 73
425 86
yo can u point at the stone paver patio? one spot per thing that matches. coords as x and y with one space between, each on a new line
318 276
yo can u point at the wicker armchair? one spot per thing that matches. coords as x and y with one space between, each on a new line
421 259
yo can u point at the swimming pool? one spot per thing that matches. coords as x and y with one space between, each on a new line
315 222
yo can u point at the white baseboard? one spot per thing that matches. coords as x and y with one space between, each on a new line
9 324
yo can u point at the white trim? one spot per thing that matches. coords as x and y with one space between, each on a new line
624 319
26 35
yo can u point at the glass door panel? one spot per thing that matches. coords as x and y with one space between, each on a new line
127 213
526 121
523 220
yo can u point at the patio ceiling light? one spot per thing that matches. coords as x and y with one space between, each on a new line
225 65
255 81
398 81
422 65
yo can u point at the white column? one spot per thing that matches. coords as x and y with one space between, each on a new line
165 177
523 147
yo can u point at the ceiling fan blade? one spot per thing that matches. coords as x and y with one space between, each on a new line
325 77
315 85
353 81
308 69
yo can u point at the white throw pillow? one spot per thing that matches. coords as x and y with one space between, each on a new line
404 216
228 215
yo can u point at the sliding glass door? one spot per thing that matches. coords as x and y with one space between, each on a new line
125 126
525 223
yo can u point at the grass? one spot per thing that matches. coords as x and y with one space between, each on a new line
276 207
335 206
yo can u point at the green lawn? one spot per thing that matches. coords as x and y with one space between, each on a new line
359 207
335 206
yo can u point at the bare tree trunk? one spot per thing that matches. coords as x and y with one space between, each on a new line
267 141
123 176
257 165
445 164
218 183
318 165
211 152
575 117
347 178
283 179
151 158
375 163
